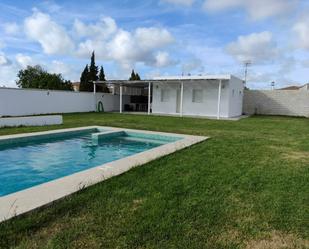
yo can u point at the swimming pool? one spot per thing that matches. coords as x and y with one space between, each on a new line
38 168
37 160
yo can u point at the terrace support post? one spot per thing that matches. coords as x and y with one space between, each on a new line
94 94
120 99
181 99
219 99
149 97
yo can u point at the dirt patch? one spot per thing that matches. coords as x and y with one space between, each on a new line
136 204
229 236
278 240
302 156
287 153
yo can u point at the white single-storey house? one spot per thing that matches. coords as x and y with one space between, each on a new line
219 96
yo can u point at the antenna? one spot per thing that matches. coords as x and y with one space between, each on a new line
272 84
247 63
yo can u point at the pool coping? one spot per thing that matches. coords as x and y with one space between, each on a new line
40 195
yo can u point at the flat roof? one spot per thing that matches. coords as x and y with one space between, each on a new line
196 77
168 79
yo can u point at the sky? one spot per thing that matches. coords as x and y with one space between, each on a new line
157 38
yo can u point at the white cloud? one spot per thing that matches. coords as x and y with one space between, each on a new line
152 38
24 60
102 29
180 2
52 37
8 75
301 29
4 61
124 47
192 65
163 59
66 70
257 9
256 47
11 28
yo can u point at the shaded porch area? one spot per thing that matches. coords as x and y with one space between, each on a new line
134 96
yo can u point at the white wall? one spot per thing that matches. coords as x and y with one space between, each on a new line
164 107
22 102
276 102
31 121
208 107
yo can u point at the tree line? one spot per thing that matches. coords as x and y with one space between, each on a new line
37 77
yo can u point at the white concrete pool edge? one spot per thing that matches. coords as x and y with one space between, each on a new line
32 198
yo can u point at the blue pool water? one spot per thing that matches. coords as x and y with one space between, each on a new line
32 162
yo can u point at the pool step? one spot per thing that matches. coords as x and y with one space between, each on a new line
96 137
144 140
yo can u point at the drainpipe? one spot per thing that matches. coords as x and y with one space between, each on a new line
149 96
219 99
181 99
94 94
120 109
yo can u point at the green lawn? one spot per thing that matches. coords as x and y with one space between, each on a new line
246 187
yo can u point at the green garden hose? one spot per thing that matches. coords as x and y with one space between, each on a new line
100 106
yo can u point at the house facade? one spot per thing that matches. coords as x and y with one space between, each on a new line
209 96
219 96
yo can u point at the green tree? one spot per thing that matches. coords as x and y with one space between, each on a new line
93 72
89 75
137 77
84 82
134 76
102 74
37 77
102 87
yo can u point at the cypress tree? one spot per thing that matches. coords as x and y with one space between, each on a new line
93 69
92 74
84 79
102 74
103 87
133 76
137 77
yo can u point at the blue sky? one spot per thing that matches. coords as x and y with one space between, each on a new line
164 37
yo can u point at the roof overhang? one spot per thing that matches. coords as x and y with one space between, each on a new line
198 77
168 80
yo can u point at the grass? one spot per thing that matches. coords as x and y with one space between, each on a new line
246 187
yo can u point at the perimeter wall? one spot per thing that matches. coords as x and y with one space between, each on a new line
276 102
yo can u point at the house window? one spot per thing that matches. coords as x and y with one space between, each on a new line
165 96
197 96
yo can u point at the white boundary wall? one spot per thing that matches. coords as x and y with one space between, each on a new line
23 102
31 121
276 102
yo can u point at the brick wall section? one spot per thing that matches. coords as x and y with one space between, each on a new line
277 102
